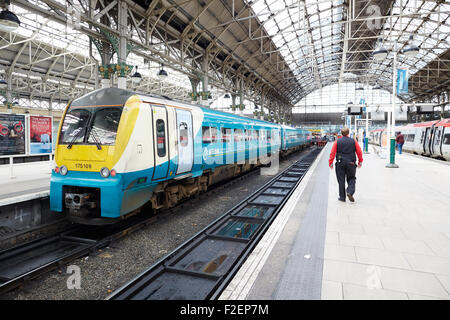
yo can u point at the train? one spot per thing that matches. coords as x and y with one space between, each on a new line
118 151
431 138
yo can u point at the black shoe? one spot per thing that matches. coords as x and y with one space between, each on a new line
350 197
343 200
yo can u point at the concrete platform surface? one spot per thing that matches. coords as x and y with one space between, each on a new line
31 180
392 243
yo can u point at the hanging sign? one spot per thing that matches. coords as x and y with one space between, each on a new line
402 81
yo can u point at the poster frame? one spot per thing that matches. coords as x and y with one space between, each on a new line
29 135
26 137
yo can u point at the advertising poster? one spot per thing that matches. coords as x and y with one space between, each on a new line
12 134
40 135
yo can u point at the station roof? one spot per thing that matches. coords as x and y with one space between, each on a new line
288 48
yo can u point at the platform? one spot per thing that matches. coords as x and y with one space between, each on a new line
31 180
392 243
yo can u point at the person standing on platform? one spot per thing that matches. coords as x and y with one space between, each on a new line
400 140
345 150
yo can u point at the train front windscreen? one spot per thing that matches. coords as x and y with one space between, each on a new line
90 125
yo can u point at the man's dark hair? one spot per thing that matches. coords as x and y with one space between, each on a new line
345 131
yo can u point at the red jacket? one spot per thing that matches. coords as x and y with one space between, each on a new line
400 139
334 149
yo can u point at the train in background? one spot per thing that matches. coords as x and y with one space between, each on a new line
430 138
118 151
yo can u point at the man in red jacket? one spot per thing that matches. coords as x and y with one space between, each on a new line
344 150
400 141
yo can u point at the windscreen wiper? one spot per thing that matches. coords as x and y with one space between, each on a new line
96 140
69 146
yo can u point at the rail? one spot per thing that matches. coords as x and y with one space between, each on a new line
202 267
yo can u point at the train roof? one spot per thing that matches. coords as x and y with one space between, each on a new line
116 97
443 122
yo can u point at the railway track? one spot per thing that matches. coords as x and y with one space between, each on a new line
29 260
201 268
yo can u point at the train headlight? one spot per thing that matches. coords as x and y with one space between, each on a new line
104 172
63 170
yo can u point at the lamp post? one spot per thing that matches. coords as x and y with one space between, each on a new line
380 54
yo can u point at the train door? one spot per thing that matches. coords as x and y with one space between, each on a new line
161 135
436 145
185 141
426 140
445 147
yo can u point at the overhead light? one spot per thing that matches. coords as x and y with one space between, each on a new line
377 87
380 53
162 73
226 96
3 84
359 88
8 21
411 49
136 78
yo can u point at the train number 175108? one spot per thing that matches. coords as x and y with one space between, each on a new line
83 165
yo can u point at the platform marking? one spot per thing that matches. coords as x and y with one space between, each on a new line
24 197
302 275
240 286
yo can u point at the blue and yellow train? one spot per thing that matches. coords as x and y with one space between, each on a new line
118 151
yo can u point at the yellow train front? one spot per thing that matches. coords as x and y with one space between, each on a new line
88 180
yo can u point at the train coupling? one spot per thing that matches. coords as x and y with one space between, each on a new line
78 200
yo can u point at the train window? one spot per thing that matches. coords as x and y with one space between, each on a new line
255 135
214 134
183 134
446 139
104 126
75 121
206 135
262 135
238 135
226 135
437 139
248 135
160 138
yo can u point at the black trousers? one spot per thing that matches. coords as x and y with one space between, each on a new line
346 170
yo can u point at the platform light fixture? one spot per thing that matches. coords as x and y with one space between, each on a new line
8 20
226 96
381 52
411 50
136 78
377 87
162 73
